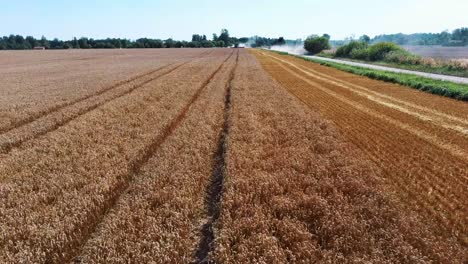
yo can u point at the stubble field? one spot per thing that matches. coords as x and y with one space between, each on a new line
225 156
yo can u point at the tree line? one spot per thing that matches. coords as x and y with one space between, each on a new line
458 37
18 42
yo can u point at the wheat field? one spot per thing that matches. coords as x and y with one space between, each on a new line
224 156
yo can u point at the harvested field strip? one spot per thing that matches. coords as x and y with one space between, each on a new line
60 116
430 178
434 186
215 190
426 186
56 189
460 124
453 149
453 142
159 218
326 203
445 107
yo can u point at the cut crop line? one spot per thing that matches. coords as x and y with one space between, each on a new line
454 150
136 164
7 145
422 108
215 189
303 93
427 206
440 118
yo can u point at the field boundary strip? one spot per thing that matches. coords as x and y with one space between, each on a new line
370 95
137 163
8 145
454 150
216 187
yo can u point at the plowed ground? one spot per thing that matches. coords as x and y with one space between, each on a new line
420 141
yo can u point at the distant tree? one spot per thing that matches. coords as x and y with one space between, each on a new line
281 41
56 44
125 43
169 43
215 37
364 38
220 44
444 37
315 44
196 37
66 45
75 44
44 42
179 44
32 41
243 40
83 43
207 44
224 36
326 36
193 44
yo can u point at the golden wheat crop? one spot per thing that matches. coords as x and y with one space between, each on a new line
218 155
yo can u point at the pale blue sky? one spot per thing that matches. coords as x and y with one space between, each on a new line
180 19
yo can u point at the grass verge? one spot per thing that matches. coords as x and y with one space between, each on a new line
444 88
445 69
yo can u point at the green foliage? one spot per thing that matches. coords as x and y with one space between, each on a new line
443 88
224 36
243 40
365 39
315 45
359 54
380 50
169 43
402 57
458 37
361 51
346 50
220 44
19 42
280 41
198 38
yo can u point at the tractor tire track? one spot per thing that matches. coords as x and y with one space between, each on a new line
59 117
215 189
134 169
117 84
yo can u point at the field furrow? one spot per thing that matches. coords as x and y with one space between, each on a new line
422 156
57 117
56 189
295 191
68 81
160 216
214 191
224 155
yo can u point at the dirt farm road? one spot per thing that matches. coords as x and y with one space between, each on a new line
390 69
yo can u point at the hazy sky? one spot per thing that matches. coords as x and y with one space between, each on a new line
180 19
